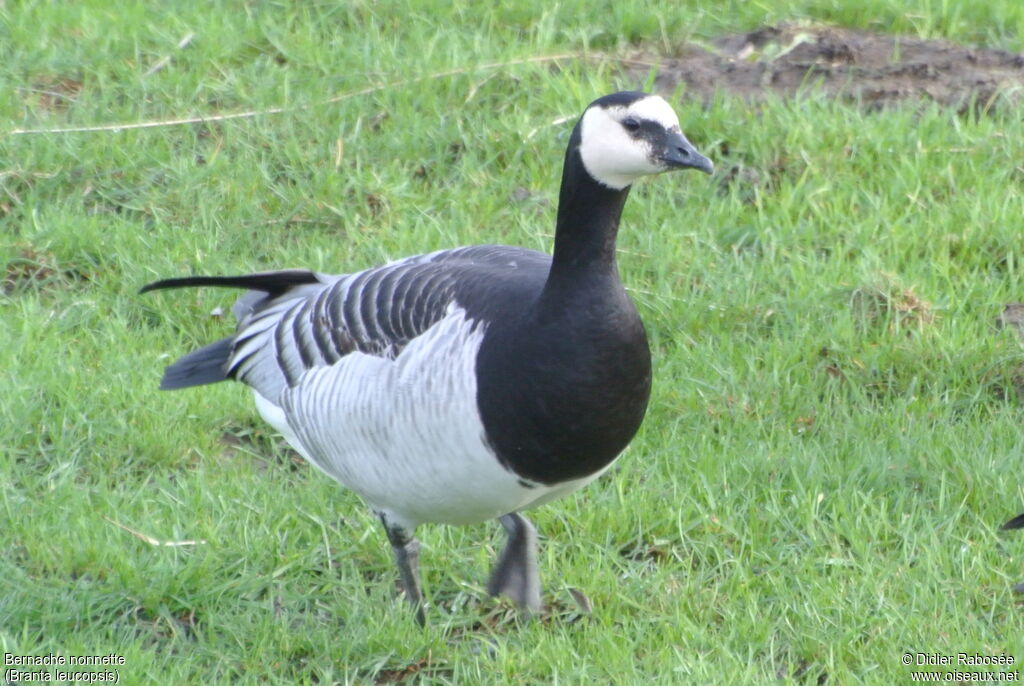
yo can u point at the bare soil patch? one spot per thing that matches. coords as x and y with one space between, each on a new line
872 69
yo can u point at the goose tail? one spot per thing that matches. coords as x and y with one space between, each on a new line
209 364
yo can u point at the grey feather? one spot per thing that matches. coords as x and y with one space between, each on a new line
207 365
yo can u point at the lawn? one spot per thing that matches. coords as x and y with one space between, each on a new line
836 420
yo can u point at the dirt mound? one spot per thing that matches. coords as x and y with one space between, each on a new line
873 69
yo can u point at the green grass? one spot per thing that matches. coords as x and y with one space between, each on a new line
836 421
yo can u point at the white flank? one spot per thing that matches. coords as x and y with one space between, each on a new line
406 433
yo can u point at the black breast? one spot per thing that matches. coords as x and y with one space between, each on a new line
563 389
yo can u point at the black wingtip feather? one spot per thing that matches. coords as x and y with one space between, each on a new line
1015 523
209 364
273 283
204 366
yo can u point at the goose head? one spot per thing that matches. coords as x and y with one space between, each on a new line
624 136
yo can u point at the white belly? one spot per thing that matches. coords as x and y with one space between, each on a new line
406 433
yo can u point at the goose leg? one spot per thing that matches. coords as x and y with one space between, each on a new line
515 574
407 557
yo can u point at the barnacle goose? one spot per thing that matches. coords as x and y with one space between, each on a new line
465 384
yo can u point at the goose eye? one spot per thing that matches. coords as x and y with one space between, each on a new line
631 124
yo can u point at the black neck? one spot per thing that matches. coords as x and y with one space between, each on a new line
586 227
562 387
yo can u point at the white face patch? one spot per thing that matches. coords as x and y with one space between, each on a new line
610 154
656 109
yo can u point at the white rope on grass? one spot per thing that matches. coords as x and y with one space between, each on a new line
248 114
